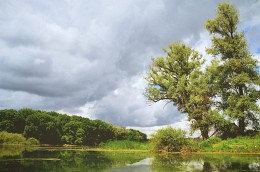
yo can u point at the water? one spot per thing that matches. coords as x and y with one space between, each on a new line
17 158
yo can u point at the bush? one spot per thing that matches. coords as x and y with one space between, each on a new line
168 140
192 146
32 141
11 138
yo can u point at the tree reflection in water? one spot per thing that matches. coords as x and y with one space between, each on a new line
17 158
205 162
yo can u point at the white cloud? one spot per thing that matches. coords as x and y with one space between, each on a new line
128 107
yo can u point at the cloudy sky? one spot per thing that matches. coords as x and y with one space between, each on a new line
90 58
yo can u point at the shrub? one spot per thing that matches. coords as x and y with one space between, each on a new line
192 146
32 141
11 138
168 140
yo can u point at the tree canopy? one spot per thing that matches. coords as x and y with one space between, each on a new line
237 77
222 95
54 128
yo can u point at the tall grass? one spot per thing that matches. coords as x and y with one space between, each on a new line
239 144
125 145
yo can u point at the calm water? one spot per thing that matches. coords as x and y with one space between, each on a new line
15 158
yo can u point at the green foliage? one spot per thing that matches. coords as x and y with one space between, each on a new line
207 145
103 132
125 144
168 77
72 132
14 138
239 144
225 93
192 146
237 77
214 140
54 128
121 133
32 141
11 121
42 126
168 140
11 138
178 78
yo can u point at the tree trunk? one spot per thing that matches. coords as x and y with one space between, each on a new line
241 126
241 121
204 133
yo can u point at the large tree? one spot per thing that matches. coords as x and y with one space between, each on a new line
237 78
201 94
178 78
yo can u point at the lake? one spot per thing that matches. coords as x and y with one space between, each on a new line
18 158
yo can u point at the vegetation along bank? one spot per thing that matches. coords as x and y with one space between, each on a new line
56 129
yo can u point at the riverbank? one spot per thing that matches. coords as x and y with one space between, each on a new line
241 145
234 145
19 148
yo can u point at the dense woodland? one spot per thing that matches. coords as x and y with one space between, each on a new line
56 129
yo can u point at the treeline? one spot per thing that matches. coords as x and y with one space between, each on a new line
56 129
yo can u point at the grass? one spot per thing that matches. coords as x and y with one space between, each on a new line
235 145
125 145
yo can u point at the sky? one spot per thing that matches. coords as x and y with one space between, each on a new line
90 58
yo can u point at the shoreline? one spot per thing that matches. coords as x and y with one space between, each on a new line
86 149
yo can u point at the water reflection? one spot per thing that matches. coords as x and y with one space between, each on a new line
143 165
18 158
207 163
21 159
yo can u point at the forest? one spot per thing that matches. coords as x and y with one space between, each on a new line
56 129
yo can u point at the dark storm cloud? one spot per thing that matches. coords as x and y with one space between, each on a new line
70 55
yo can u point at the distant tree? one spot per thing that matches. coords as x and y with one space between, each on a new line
70 134
119 132
135 135
236 78
80 137
42 127
11 121
25 112
103 132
